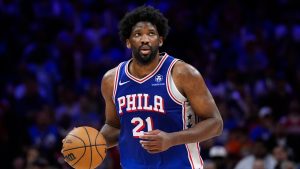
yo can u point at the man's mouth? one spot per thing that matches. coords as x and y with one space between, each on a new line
145 50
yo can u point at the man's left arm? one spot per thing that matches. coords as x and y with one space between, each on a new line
190 83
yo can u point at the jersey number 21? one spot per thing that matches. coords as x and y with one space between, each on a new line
140 124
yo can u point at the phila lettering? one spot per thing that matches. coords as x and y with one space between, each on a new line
140 102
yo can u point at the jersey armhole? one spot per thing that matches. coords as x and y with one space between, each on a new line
116 80
171 86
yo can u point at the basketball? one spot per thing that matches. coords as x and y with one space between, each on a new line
84 148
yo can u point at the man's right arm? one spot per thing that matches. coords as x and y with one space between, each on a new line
111 129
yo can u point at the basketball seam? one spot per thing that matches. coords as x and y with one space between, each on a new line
83 147
91 159
97 147
83 152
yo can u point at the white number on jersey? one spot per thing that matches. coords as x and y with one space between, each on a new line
139 123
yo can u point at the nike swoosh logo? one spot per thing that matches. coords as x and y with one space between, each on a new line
122 83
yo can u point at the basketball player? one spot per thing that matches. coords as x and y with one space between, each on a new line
153 101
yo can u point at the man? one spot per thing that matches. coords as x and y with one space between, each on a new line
259 152
153 101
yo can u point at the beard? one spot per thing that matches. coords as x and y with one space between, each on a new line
144 59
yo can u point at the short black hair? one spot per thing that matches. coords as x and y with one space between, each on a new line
143 13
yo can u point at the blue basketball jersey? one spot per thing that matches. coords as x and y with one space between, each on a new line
150 103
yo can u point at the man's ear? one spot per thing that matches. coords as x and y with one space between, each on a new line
128 45
161 41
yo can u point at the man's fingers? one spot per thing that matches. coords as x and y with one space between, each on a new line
151 148
148 137
153 132
148 143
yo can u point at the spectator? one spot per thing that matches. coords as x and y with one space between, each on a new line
259 151
249 52
258 164
218 155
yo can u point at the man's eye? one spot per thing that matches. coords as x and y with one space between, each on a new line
151 33
137 34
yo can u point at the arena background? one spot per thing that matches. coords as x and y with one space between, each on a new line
53 54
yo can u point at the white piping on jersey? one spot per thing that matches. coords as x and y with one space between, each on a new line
116 81
193 149
171 87
142 80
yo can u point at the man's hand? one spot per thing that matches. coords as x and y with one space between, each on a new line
156 141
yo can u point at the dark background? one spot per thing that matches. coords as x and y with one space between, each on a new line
53 54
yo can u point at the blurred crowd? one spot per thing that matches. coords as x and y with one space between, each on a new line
53 54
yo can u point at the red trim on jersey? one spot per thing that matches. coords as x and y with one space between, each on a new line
198 148
116 81
190 157
168 83
148 76
184 127
184 115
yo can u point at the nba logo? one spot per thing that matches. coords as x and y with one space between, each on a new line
158 78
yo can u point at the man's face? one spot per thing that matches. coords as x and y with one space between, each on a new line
144 42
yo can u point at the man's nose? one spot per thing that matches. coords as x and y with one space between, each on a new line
145 38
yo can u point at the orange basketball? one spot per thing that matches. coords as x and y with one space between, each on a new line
84 148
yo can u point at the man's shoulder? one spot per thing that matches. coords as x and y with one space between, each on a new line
111 73
183 72
182 67
108 80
